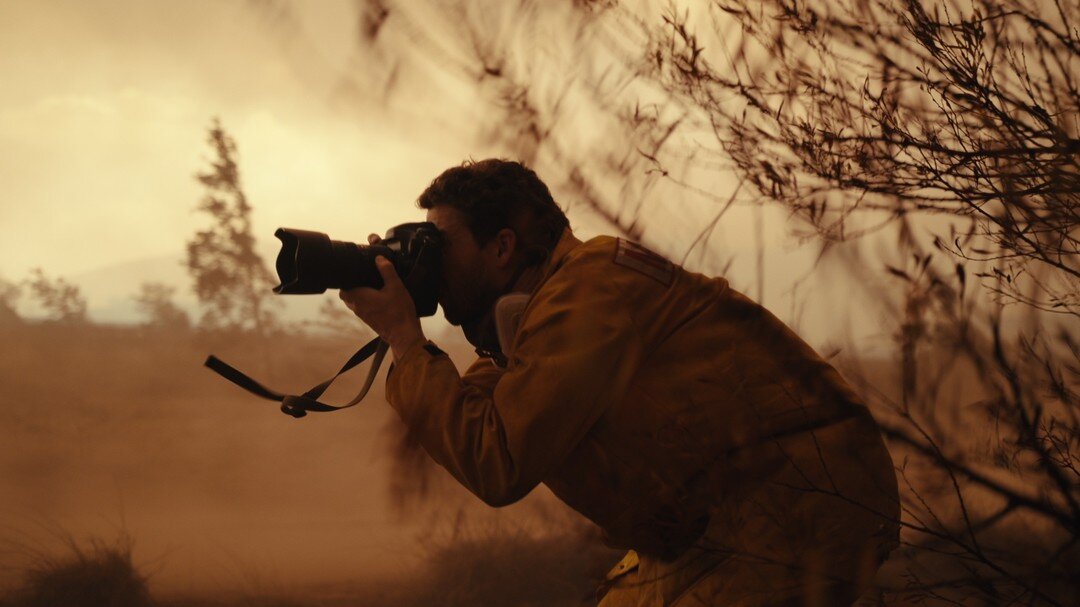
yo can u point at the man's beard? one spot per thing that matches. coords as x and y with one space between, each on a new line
468 301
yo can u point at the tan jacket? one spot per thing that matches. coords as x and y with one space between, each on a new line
646 397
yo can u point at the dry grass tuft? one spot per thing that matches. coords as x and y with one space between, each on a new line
515 565
97 574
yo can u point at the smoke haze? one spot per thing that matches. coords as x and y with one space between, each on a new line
115 428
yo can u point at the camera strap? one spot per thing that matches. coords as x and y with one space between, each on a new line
298 406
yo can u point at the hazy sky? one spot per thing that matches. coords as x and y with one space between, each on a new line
103 114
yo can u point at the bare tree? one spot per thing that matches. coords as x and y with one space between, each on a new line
965 110
231 278
955 125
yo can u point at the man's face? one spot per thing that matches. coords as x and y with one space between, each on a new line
468 270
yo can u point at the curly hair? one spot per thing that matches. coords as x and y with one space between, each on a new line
493 194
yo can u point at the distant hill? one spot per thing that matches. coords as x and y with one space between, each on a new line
109 290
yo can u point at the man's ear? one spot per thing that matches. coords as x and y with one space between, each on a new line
505 246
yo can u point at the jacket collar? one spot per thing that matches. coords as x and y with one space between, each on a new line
537 275
483 334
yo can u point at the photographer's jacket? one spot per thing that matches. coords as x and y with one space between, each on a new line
655 401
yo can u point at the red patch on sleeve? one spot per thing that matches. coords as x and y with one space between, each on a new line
640 259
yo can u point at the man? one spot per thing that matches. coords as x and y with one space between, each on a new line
693 427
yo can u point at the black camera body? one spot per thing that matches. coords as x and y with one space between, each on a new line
311 263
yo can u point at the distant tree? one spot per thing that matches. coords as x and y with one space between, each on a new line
9 302
232 281
155 302
60 300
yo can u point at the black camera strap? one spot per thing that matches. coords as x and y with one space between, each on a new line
298 406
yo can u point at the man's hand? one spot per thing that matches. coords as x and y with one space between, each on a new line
389 311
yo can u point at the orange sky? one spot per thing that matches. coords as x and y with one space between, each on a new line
102 121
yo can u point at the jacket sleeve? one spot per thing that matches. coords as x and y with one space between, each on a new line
500 433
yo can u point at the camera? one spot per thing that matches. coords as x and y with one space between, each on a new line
310 263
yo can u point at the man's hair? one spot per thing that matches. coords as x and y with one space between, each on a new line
494 194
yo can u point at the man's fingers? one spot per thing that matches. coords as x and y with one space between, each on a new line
373 238
386 269
348 296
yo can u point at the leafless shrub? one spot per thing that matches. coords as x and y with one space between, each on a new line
60 300
155 302
510 562
954 126
9 302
